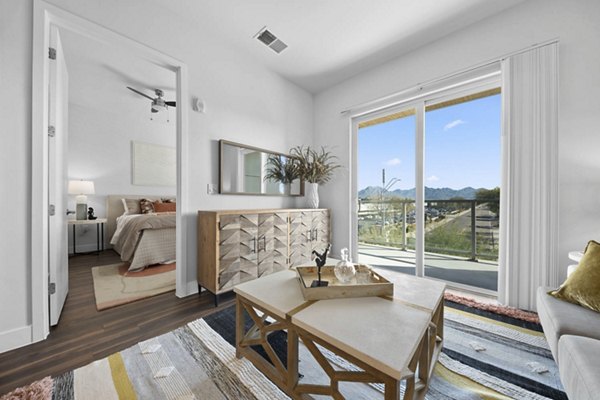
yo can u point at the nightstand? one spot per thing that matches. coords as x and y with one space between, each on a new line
99 222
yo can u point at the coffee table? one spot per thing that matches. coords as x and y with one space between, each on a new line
390 339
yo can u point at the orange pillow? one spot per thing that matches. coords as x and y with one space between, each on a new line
164 207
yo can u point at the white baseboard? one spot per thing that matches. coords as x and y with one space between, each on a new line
192 288
15 338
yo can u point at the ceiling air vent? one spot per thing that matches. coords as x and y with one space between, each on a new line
270 40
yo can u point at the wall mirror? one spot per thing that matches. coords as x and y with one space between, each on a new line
253 171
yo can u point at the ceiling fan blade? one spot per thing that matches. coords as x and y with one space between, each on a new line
171 103
140 93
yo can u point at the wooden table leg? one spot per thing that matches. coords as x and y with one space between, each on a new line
292 359
239 325
392 390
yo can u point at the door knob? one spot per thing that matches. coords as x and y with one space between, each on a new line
70 212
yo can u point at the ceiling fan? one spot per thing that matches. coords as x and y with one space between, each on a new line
158 103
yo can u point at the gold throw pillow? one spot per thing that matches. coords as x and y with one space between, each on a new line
583 285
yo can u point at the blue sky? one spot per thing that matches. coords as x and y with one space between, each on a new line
462 148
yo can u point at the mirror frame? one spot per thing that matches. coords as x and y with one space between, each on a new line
223 142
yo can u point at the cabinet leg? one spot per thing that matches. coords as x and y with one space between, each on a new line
216 300
199 290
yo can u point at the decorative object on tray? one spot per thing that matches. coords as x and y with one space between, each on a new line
344 270
320 260
91 215
315 168
363 274
375 284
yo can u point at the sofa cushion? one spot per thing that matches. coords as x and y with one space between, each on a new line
559 318
583 285
580 366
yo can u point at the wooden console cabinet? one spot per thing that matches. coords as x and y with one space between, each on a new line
236 246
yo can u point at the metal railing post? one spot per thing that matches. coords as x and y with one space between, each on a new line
404 205
473 232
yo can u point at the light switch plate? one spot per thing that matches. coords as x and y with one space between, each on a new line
211 188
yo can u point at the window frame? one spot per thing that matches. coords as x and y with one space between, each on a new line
485 82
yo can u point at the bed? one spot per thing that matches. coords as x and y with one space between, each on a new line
140 239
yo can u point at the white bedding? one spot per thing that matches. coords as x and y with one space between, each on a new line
142 247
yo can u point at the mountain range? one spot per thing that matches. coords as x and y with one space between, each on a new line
467 193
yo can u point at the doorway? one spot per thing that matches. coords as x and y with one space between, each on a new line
428 186
47 17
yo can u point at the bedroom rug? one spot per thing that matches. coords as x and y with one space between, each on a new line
483 359
114 285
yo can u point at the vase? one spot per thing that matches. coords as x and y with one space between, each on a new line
287 188
344 270
312 194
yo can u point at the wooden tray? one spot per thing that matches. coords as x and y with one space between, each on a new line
377 285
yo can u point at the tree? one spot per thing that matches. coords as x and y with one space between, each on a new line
490 196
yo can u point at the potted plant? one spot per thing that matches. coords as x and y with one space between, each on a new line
316 168
282 169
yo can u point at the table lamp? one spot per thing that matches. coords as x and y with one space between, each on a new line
81 189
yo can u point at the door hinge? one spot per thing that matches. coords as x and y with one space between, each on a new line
52 53
51 209
51 131
52 288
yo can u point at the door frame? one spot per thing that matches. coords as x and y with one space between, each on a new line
419 108
488 78
44 16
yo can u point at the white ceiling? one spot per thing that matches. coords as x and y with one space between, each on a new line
99 75
329 40
332 40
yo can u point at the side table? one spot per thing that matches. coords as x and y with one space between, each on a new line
99 222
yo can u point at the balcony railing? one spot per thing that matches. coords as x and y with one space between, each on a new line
465 228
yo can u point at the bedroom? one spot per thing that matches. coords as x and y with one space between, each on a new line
127 152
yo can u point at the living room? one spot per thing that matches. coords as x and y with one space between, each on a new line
251 99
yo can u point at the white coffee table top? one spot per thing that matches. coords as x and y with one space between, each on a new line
381 332
278 293
420 292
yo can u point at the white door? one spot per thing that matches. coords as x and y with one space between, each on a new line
58 260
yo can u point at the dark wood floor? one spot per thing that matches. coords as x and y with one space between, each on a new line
84 334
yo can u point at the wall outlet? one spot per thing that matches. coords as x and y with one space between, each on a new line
211 188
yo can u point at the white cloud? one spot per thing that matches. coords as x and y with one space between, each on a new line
393 162
453 124
433 178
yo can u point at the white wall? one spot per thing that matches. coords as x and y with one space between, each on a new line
575 23
245 103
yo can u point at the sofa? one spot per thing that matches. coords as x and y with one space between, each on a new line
573 334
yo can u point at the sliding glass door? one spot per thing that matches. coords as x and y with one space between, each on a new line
428 184
386 182
462 189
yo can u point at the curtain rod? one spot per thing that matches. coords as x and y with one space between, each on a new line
420 86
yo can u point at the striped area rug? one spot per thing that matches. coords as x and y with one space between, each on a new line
483 358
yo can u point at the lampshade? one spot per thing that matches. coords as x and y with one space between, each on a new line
81 187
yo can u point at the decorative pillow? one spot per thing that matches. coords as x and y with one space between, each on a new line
147 206
160 207
583 285
132 206
168 200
